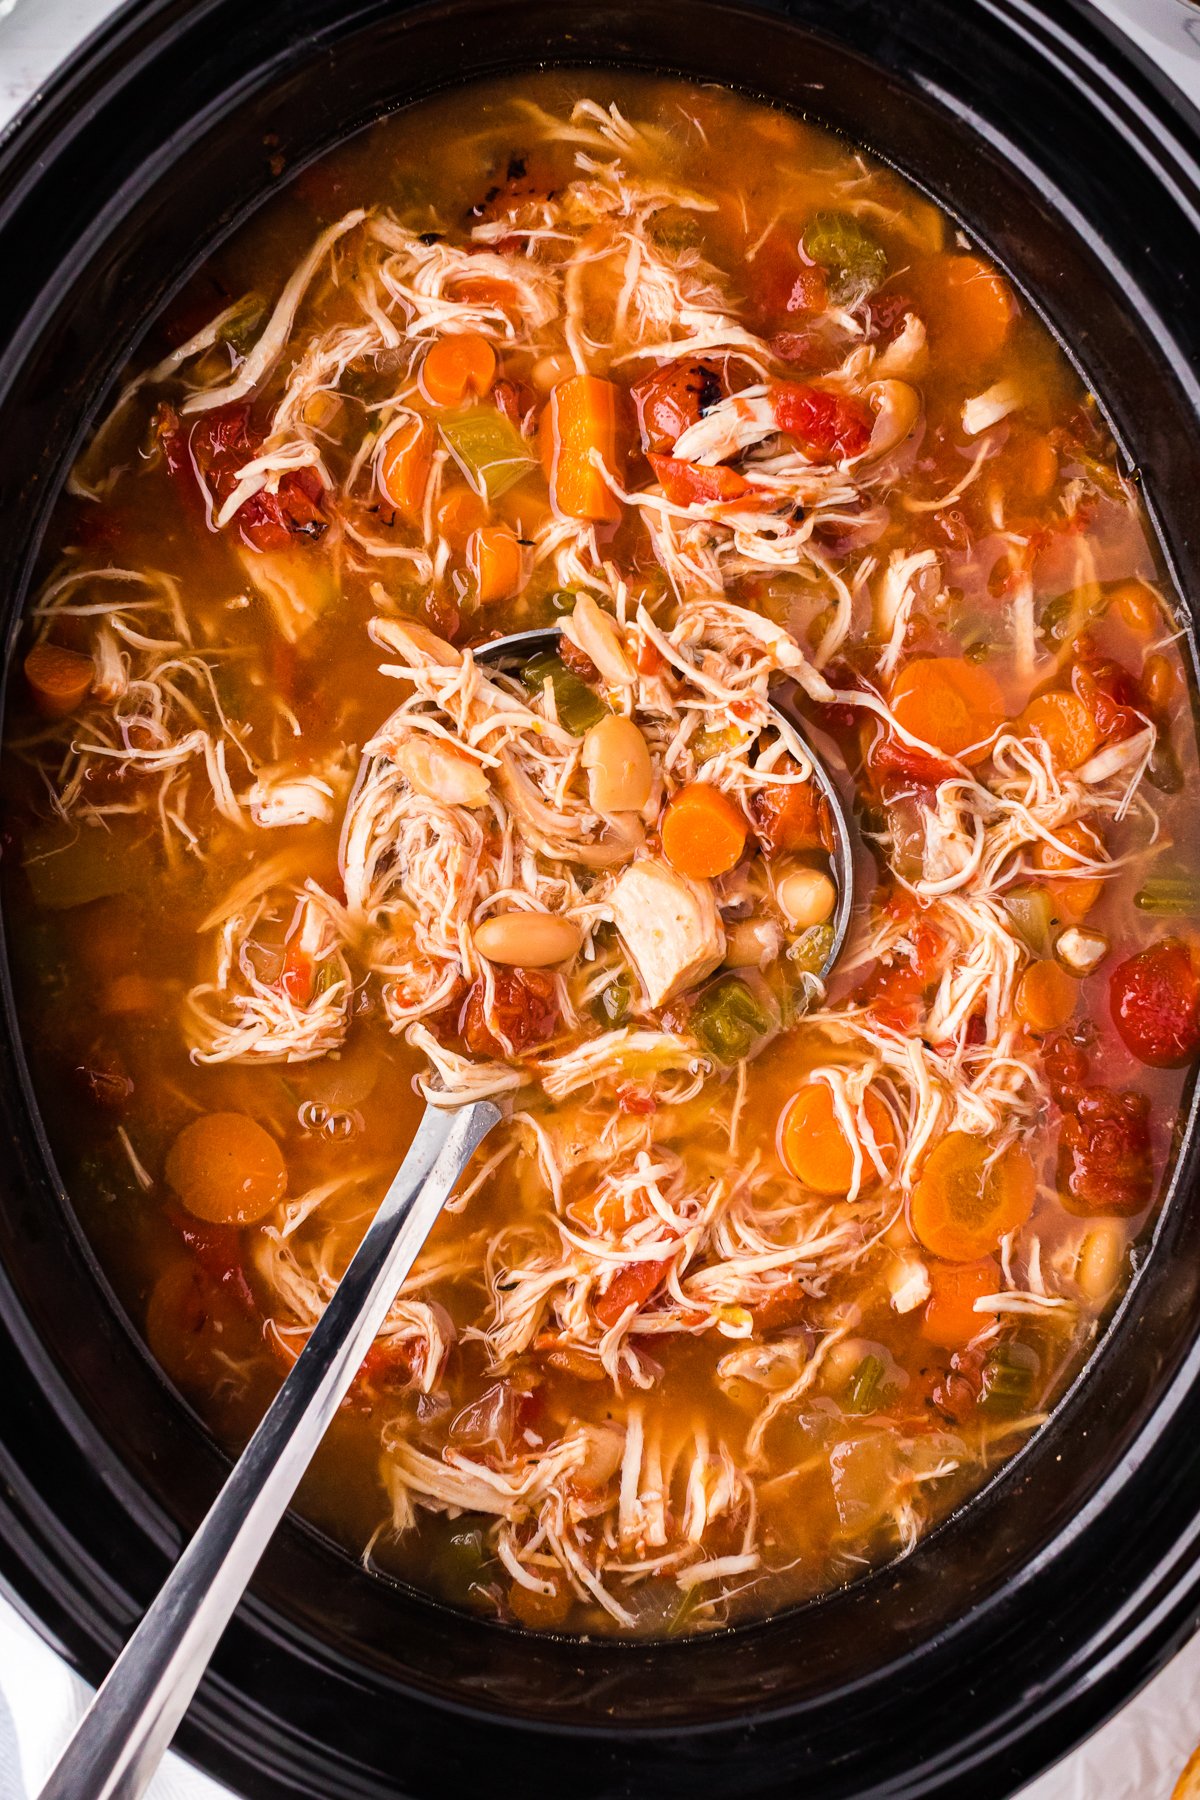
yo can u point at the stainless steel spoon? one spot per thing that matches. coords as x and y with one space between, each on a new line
122 1736
512 652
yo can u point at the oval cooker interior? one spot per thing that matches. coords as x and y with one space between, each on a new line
1026 1617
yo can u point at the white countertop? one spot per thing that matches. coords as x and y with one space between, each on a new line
1137 1756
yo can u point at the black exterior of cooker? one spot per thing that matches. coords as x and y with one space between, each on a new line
1028 1617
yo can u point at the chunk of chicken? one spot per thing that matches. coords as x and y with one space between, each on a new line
669 926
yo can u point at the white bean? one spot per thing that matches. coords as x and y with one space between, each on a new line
1100 1261
752 943
617 760
527 940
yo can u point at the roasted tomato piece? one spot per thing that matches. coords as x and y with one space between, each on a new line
218 1251
828 427
790 816
208 454
524 186
671 399
525 1011
1104 1153
104 1079
1066 1065
1112 696
692 484
1155 997
632 1285
888 756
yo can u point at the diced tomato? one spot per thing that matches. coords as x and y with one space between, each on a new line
1112 696
525 1010
635 1101
577 660
691 484
672 398
808 349
650 658
784 1306
828 427
632 1285
1066 1066
790 816
1155 999
1105 1165
299 975
218 1251
212 450
524 185
391 1363
515 400
956 1392
894 993
889 756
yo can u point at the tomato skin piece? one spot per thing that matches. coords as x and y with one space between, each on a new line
1104 1156
525 1009
828 427
218 1251
1155 1000
888 756
672 398
694 484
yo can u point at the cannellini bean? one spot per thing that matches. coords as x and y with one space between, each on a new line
597 634
442 773
806 897
617 760
897 407
528 940
752 943
1100 1261
1080 951
548 371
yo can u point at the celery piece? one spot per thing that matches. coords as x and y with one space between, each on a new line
853 262
728 1019
577 707
612 1004
1032 914
1009 1376
862 1390
811 949
1169 895
488 449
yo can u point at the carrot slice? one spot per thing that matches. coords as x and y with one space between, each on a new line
495 560
970 309
455 367
949 703
1063 722
226 1169
60 679
703 832
815 1148
1074 898
460 512
950 1318
582 418
404 467
1046 997
964 1203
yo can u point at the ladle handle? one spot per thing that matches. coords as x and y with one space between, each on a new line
121 1738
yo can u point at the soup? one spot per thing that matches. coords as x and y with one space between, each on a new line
779 1252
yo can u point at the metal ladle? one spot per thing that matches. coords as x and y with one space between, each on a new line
121 1738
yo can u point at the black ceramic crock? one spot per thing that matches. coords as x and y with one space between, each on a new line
1023 1621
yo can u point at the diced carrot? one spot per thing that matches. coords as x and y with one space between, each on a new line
404 467
950 1318
226 1169
1075 898
1063 722
1137 606
814 1146
950 703
495 559
459 513
485 290
703 832
581 418
61 679
964 1203
1046 997
455 367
